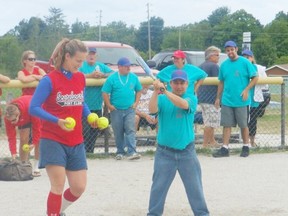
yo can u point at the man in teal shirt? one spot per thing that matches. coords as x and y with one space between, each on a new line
176 150
195 75
121 93
237 76
93 95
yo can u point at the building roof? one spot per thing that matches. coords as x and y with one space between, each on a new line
281 66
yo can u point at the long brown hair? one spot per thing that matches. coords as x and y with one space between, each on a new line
66 46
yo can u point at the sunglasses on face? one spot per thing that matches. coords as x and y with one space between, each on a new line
31 59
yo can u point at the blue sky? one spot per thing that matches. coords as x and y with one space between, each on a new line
133 12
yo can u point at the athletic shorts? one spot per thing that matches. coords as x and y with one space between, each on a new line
232 116
211 115
73 158
28 125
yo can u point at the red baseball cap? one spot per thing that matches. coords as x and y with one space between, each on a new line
179 54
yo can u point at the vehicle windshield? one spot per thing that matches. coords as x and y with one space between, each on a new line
111 55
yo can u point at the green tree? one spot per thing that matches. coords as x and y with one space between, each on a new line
194 36
119 32
79 28
156 35
233 26
218 16
55 31
264 50
278 30
10 55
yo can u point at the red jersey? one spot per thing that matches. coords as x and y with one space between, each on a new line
65 100
30 91
23 103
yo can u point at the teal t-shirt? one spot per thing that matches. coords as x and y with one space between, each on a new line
194 74
122 89
176 127
93 95
236 77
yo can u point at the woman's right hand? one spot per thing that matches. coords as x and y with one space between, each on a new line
62 122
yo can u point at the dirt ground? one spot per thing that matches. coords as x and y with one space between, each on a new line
234 186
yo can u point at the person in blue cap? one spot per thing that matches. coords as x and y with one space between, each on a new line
121 93
93 95
237 76
176 148
257 97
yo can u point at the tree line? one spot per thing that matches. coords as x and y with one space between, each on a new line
269 43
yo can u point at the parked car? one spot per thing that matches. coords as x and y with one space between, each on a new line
163 59
108 53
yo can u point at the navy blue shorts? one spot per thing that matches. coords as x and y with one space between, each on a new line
73 158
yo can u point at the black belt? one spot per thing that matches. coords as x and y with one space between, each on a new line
173 149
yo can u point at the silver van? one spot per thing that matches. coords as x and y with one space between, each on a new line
163 59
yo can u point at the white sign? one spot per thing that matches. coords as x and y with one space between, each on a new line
246 37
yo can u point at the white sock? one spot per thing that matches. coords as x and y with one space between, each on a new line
36 165
225 146
65 204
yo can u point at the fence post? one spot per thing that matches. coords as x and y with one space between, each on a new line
283 115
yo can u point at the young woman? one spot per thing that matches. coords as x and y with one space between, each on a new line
17 115
59 95
30 72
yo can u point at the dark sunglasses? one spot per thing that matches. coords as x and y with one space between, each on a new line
31 59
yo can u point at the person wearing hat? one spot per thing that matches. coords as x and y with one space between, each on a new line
256 96
17 116
196 75
93 95
237 76
121 93
176 148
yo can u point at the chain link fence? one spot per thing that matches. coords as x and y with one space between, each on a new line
271 130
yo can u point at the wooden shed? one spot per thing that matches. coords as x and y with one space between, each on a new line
277 70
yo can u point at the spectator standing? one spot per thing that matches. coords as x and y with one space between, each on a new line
30 72
121 94
17 115
207 95
59 95
196 76
93 95
237 76
176 149
256 97
143 117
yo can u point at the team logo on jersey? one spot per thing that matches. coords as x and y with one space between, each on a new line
70 99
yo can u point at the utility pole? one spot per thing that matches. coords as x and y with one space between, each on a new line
149 35
179 39
100 20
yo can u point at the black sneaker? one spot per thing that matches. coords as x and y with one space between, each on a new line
222 152
245 151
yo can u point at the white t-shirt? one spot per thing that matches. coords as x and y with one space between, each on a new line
143 105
